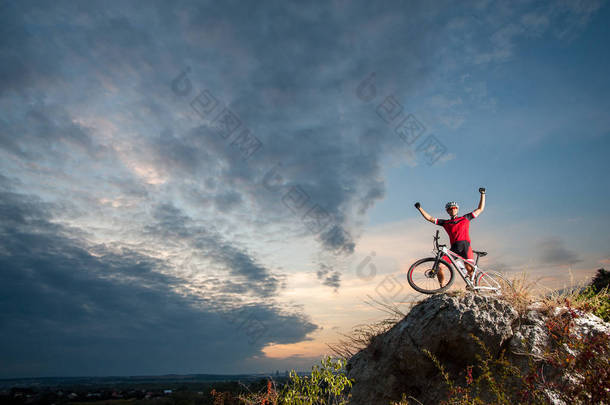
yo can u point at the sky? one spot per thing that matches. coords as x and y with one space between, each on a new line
221 187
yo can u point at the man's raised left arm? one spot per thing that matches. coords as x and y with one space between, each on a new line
481 203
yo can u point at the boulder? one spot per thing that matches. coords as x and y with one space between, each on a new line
394 362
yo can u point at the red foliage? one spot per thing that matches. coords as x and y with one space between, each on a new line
584 358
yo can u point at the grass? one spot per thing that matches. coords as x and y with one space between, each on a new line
362 335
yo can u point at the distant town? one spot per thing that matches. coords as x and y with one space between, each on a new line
190 388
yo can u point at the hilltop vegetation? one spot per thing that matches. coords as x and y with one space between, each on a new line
461 348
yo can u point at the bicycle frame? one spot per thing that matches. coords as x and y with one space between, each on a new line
454 258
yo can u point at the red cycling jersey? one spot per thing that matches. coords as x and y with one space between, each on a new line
457 229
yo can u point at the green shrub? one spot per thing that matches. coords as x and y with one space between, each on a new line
327 385
594 301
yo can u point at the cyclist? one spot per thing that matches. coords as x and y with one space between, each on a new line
457 229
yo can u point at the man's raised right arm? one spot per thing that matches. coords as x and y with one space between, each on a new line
424 213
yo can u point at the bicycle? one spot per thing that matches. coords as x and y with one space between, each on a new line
423 274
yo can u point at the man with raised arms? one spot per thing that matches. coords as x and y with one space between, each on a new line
457 228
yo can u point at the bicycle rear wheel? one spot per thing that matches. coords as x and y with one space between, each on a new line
424 278
493 283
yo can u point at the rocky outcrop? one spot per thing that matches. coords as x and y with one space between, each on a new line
394 363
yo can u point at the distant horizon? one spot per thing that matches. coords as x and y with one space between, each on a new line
227 186
282 374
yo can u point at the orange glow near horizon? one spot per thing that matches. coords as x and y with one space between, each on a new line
310 348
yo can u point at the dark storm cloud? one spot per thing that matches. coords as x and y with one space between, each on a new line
553 251
43 130
227 201
178 154
5 182
299 98
24 60
73 309
128 186
329 276
288 71
172 224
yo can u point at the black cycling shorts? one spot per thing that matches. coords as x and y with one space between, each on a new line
462 248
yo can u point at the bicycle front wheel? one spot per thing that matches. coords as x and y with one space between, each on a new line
493 283
424 278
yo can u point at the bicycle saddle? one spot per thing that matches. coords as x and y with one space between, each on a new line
480 253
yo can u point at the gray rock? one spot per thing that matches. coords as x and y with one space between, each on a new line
394 362
530 338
